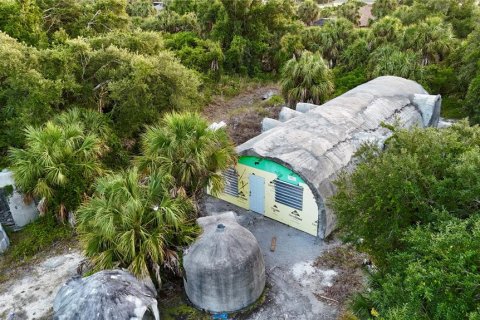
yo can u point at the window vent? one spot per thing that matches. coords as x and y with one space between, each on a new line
230 177
288 194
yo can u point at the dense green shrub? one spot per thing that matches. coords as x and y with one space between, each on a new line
414 208
420 171
133 222
59 162
436 276
184 146
202 55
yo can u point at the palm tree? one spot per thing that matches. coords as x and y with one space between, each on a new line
355 55
308 12
350 10
433 38
307 79
390 60
334 38
132 222
58 163
183 146
387 30
381 8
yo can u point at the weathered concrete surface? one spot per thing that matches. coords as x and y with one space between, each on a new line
108 294
287 114
290 282
22 213
30 294
224 268
322 142
4 242
304 107
269 123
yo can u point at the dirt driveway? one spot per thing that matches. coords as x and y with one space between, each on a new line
295 284
244 113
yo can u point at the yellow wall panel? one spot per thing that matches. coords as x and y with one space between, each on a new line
305 219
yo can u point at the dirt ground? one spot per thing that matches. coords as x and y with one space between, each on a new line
308 278
30 294
243 113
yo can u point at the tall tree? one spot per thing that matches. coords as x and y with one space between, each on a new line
307 79
132 222
334 37
387 30
184 146
350 10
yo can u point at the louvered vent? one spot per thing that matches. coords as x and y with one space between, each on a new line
288 194
231 182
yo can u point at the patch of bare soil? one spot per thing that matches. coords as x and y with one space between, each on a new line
244 112
349 278
30 290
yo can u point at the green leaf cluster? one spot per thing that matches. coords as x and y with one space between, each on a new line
132 222
414 209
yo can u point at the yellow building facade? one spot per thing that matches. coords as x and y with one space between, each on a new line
270 189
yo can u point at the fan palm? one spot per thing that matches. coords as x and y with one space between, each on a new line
381 8
386 31
307 79
432 38
184 146
389 60
308 11
58 163
132 222
334 37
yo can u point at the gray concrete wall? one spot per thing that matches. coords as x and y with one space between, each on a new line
224 268
22 213
4 242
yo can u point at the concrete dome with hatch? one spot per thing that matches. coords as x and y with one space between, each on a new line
224 268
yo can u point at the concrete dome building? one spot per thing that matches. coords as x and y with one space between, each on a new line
287 172
108 294
224 268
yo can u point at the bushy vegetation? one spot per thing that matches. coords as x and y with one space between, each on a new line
133 222
88 85
60 161
184 146
34 238
414 209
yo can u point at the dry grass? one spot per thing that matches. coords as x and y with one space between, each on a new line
244 112
347 262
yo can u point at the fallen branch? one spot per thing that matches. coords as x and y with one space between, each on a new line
326 298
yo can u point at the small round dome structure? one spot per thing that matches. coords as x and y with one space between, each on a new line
224 268
108 294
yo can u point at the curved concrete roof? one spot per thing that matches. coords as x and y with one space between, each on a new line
322 142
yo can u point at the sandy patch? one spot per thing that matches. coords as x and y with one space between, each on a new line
31 294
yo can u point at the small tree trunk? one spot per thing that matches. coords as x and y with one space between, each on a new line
154 272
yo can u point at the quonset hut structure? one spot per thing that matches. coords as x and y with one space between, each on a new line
286 173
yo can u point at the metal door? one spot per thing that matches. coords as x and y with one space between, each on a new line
257 193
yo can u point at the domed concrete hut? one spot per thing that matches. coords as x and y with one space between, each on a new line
109 294
224 268
286 173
